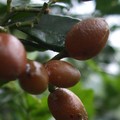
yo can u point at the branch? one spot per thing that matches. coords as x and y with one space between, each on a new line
30 22
60 55
9 5
25 9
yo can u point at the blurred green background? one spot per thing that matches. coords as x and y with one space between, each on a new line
99 87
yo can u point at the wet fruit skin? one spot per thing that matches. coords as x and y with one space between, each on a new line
12 57
65 105
62 74
87 38
35 79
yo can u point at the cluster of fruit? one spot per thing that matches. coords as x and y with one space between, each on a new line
85 40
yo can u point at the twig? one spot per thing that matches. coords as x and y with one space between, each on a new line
28 9
30 22
37 18
25 9
9 5
60 55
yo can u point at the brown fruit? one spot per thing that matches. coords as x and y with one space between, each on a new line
12 57
87 38
65 105
35 79
62 74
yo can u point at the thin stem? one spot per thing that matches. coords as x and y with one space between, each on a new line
30 22
51 88
28 9
60 55
25 9
36 19
9 5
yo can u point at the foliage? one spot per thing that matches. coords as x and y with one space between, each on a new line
98 89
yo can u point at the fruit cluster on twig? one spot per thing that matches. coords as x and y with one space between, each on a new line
85 40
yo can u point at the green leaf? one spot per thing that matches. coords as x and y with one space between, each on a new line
22 105
51 31
32 101
2 8
105 7
2 11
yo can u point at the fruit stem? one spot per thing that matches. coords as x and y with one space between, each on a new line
51 88
60 55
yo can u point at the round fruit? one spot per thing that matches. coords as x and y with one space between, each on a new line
65 105
62 74
87 38
35 79
12 57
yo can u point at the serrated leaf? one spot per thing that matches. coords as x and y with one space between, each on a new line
51 31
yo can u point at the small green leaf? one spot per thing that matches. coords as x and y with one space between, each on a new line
51 31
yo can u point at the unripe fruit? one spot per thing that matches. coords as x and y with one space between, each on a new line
35 79
62 74
65 105
87 38
12 57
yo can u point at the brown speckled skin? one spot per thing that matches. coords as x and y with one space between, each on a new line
87 38
62 74
12 57
65 105
35 79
